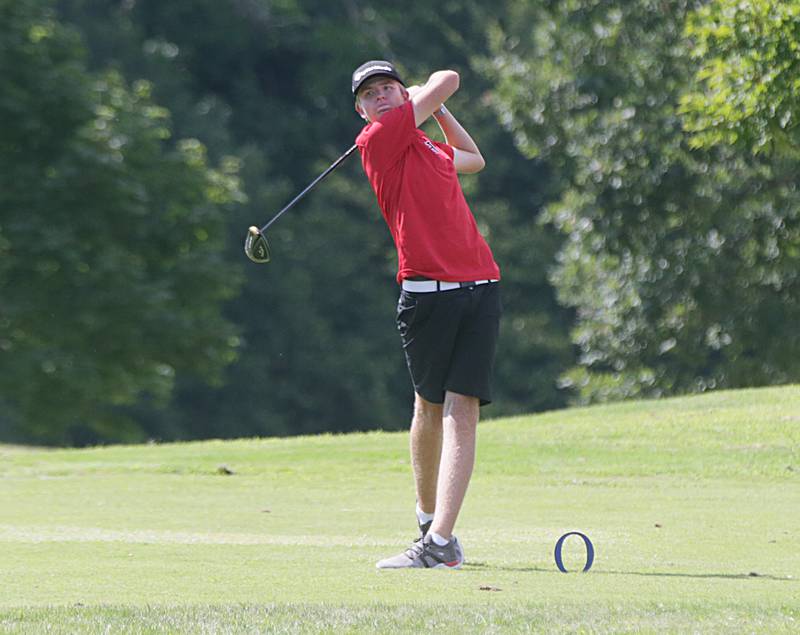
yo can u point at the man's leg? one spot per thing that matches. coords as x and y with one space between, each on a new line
460 422
426 450
436 488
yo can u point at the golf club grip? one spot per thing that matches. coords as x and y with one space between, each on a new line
330 169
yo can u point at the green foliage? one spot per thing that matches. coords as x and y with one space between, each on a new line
681 265
271 85
747 88
667 262
110 236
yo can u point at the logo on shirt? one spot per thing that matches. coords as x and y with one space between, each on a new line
432 147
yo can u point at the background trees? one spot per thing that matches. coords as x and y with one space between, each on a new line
110 241
680 263
645 248
746 88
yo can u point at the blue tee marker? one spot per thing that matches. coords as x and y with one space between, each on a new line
589 551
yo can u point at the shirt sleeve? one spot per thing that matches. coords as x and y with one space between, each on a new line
384 140
448 150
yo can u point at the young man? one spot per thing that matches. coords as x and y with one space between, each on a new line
449 309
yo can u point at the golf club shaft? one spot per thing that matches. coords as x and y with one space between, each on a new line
332 167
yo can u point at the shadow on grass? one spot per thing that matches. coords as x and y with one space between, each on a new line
482 566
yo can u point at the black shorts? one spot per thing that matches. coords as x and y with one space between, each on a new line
449 339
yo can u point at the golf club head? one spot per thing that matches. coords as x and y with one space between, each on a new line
256 246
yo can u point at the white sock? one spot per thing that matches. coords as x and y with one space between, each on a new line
439 540
422 516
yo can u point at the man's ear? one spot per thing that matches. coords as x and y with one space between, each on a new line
361 112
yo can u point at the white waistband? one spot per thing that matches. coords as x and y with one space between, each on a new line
429 286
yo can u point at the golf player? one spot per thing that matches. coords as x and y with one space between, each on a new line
449 309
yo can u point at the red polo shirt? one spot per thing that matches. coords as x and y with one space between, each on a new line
421 199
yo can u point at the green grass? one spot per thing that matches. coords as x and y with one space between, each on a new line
692 504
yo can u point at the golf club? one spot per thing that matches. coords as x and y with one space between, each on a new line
255 244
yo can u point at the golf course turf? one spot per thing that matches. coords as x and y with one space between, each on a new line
692 504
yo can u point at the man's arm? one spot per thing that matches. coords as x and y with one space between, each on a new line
467 157
429 97
428 100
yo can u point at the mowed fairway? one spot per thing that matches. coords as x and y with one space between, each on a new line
693 505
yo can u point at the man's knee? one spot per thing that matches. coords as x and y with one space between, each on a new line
426 411
461 407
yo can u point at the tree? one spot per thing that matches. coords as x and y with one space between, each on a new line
110 252
681 264
747 88
270 84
